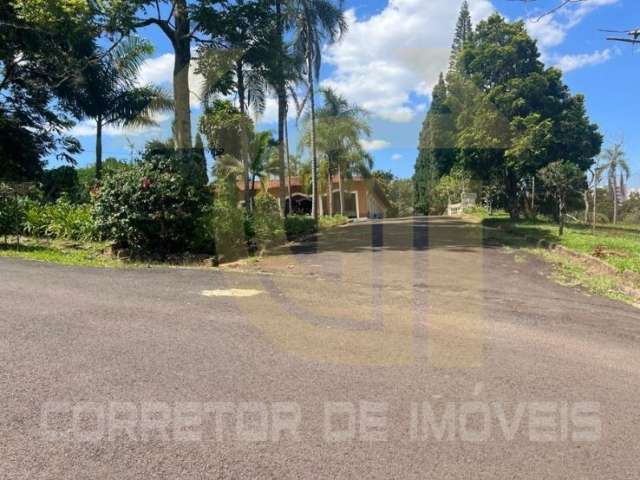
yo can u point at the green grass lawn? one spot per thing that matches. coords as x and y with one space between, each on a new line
60 251
619 247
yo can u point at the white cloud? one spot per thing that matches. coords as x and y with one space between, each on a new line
87 128
270 115
396 157
551 30
568 63
374 145
159 71
387 58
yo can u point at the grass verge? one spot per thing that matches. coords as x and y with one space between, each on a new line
618 248
569 272
59 251
326 222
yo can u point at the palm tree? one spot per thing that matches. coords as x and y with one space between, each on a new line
244 29
116 99
339 129
615 163
263 162
346 125
284 71
315 21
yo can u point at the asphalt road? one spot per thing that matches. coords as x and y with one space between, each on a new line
396 349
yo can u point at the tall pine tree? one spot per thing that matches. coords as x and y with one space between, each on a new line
437 138
436 154
464 33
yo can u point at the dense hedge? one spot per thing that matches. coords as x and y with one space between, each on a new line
154 207
299 225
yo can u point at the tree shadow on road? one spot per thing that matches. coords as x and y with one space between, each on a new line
411 234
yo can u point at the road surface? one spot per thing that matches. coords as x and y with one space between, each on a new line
392 349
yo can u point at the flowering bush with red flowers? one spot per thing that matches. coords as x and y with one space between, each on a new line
153 207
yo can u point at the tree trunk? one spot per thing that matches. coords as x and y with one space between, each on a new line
329 189
615 199
340 188
282 111
253 191
182 47
248 194
595 205
282 120
98 147
286 146
314 153
586 206
533 195
511 189
561 213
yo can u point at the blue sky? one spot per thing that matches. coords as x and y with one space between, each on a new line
395 49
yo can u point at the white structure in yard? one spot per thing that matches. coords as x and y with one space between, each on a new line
457 209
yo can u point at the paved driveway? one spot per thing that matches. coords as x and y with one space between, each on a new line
395 349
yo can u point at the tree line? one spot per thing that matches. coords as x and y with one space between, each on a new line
67 60
500 120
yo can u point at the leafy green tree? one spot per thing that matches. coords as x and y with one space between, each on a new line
524 117
43 46
315 21
87 175
242 55
561 180
398 191
450 188
12 213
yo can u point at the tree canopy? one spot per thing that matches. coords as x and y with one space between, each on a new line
502 116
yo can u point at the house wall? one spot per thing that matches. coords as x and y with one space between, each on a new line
368 203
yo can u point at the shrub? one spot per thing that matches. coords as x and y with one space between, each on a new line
334 221
267 222
299 225
151 207
229 226
11 215
62 219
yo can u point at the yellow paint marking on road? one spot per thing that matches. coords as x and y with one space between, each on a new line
232 292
